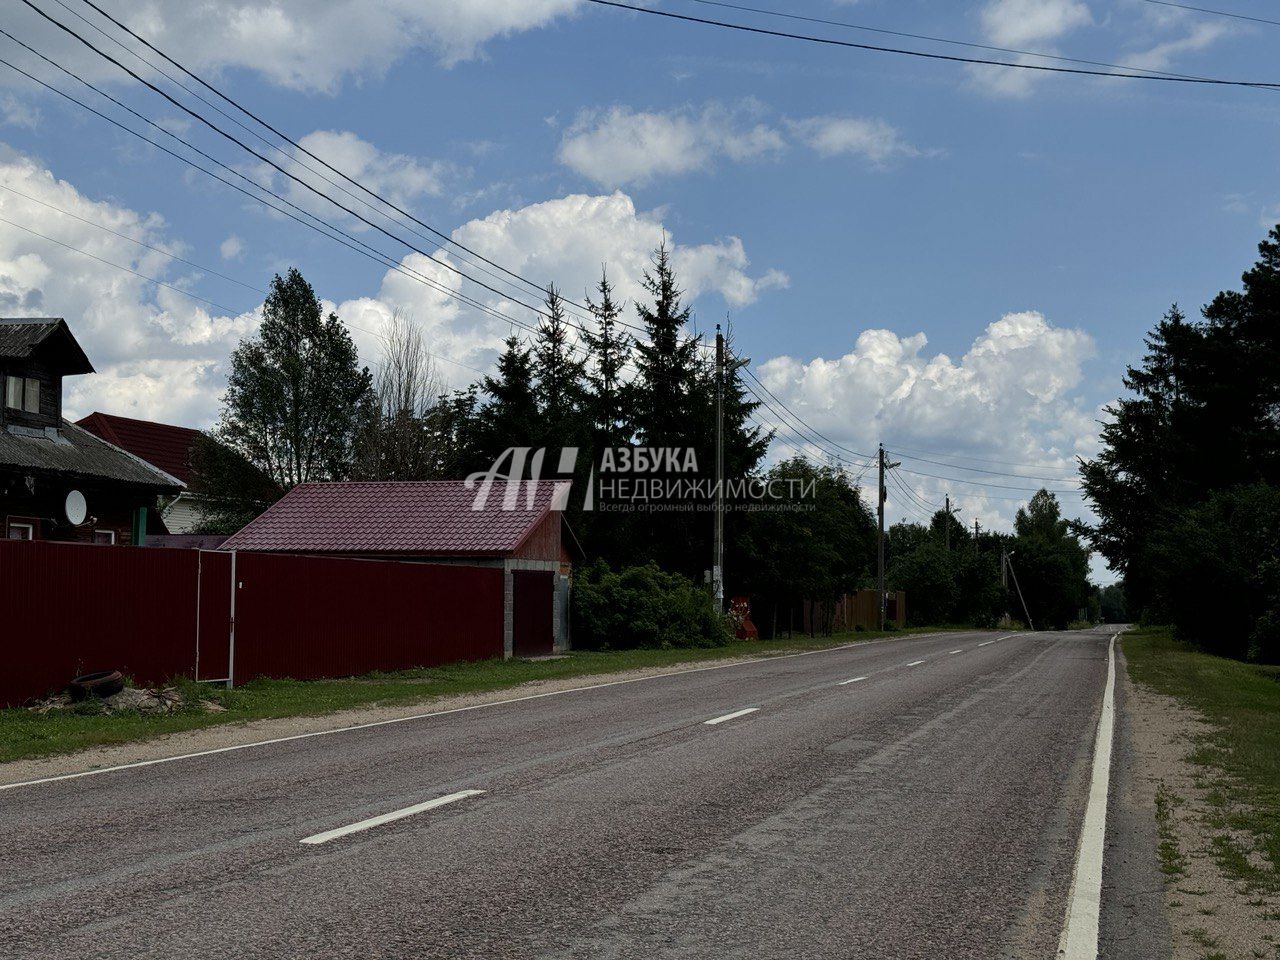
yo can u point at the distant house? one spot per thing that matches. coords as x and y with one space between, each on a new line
435 521
59 481
164 446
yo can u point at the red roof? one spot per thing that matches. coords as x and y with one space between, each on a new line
416 518
160 444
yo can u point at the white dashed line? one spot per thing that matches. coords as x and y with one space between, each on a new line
915 663
845 683
390 817
1079 939
731 716
985 643
953 652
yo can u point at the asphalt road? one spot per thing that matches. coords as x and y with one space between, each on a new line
930 810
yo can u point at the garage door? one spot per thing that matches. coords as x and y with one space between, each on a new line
533 616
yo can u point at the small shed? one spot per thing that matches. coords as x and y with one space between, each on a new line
441 521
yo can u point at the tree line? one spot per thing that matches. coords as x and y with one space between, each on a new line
299 407
1187 485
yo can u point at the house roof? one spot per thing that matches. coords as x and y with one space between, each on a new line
22 337
160 444
76 453
417 518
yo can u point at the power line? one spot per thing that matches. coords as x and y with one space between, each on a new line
1216 13
921 54
996 473
142 276
920 36
982 483
443 237
125 236
960 456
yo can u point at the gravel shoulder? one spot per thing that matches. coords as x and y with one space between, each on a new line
1211 915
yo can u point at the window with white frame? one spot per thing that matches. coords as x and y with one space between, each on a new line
104 536
19 530
13 388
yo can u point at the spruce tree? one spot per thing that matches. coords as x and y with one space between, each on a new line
559 374
668 363
608 394
510 418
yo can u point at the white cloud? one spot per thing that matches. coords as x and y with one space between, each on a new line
18 113
620 145
171 347
1025 23
399 178
160 355
309 44
870 138
1161 56
1009 398
231 248
567 240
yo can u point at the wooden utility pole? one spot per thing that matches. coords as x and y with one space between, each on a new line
717 561
975 536
884 495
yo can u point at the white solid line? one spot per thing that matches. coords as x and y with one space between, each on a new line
441 713
731 716
844 683
915 663
390 817
1079 939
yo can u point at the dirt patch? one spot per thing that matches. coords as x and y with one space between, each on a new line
235 734
1213 916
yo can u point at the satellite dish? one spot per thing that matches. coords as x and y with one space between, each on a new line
76 508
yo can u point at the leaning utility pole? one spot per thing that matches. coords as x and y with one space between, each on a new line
884 495
717 561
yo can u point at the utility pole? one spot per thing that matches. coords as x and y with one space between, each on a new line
884 495
1008 565
717 562
975 536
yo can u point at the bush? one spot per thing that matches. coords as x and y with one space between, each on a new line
643 607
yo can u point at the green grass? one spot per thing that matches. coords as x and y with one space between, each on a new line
1240 758
24 734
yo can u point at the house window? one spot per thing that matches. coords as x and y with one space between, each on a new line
21 531
22 393
104 536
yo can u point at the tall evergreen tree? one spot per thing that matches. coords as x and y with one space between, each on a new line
668 364
510 418
559 373
297 395
608 394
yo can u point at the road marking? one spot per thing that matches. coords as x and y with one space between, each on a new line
915 663
137 764
845 683
953 652
985 643
1079 940
390 817
731 716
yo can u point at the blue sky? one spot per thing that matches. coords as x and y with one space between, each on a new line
816 194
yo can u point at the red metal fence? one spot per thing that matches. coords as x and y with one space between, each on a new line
155 614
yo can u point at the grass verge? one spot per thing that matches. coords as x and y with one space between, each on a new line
24 734
1241 756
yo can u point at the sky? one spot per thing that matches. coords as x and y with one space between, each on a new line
955 260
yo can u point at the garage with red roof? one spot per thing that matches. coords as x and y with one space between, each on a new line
440 521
